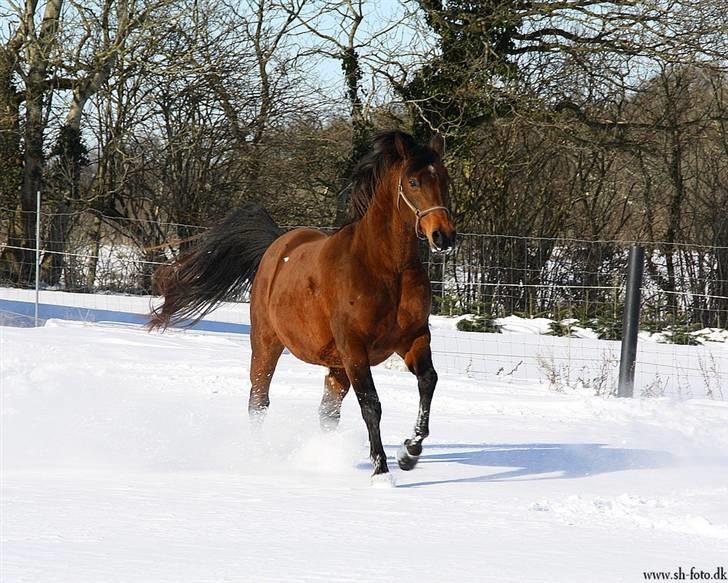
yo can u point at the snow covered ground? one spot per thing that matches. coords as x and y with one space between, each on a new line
127 456
522 352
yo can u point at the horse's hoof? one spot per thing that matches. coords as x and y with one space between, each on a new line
329 424
383 481
405 459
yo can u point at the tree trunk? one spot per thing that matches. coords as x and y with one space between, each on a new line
11 165
10 158
38 50
674 218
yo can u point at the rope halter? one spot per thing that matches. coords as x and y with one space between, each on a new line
418 213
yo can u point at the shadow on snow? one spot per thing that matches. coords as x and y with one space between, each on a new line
531 461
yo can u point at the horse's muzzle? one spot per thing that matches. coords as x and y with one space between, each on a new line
443 242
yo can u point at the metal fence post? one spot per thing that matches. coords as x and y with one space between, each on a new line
37 255
631 322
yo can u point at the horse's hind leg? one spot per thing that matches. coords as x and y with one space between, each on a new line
419 360
336 386
267 349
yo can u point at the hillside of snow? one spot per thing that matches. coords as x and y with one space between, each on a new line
127 456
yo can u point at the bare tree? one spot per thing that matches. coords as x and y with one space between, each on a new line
66 49
361 39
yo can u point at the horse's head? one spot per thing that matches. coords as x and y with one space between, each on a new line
423 188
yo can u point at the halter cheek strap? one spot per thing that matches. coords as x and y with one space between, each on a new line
418 213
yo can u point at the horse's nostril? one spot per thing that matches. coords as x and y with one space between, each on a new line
437 238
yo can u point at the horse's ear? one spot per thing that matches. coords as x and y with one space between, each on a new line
401 146
437 143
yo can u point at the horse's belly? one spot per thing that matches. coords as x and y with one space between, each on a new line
303 328
315 344
307 342
328 354
324 355
310 338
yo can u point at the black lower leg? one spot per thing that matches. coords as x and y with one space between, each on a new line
426 384
371 410
257 409
360 375
409 455
329 415
258 404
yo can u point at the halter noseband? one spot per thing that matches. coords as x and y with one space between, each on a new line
418 213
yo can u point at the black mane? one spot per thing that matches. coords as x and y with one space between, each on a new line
373 167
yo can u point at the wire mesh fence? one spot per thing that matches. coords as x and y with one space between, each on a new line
560 302
552 298
89 251
491 276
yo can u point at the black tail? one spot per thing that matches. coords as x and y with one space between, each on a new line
221 266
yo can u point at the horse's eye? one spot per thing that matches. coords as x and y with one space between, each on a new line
412 182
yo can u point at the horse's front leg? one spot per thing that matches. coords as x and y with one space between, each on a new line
419 360
356 364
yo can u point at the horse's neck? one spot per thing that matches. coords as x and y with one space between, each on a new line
387 235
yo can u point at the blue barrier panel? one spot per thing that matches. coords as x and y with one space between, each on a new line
22 314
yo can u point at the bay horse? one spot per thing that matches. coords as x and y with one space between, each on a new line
346 301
